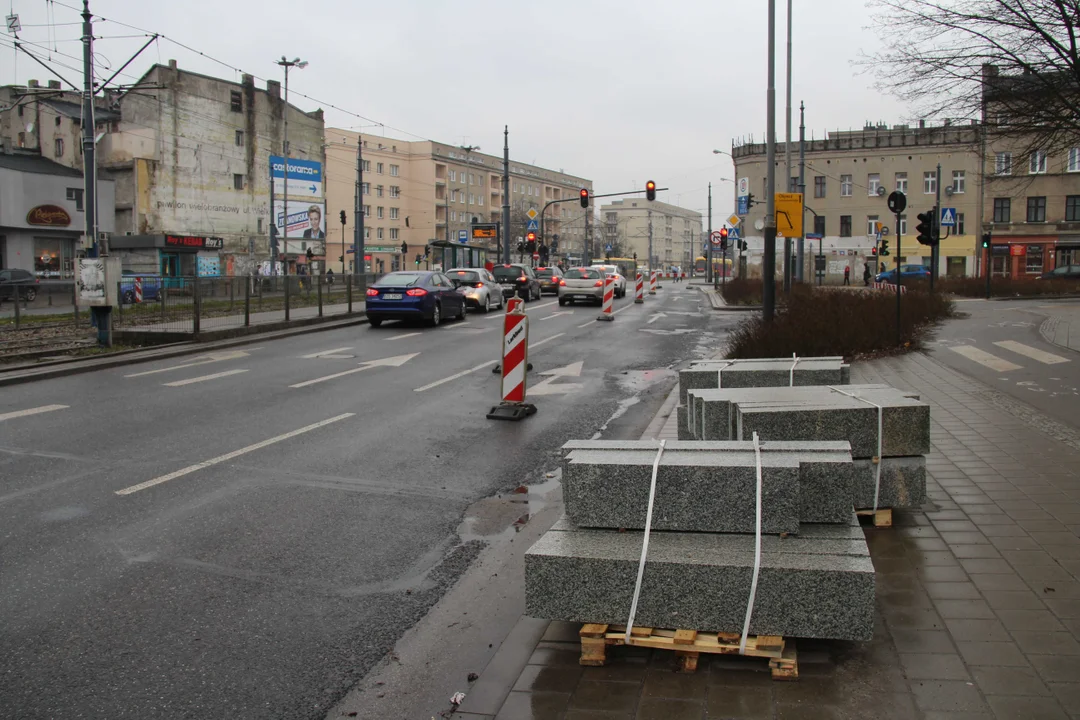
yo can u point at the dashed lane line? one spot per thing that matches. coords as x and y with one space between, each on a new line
31 411
204 378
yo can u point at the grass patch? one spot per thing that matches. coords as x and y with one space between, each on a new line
1008 287
837 322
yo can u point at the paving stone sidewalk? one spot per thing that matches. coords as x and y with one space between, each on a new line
978 598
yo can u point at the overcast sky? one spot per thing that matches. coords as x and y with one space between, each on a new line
618 91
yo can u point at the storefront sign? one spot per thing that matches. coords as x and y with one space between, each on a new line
191 241
1017 250
48 216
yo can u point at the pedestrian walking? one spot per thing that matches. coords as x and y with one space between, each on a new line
847 274
866 274
330 276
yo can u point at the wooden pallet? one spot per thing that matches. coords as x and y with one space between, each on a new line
882 516
688 646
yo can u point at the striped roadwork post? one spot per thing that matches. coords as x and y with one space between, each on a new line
609 298
515 360
652 282
138 289
639 289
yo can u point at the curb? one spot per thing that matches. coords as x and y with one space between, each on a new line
717 301
1031 297
77 366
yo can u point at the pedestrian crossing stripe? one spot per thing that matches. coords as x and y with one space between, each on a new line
999 364
1033 353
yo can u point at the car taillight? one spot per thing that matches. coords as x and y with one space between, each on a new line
372 292
522 279
599 283
416 292
563 283
478 285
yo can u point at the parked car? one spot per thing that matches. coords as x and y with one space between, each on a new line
1064 272
151 286
479 288
419 295
549 278
907 272
519 279
585 284
620 280
23 280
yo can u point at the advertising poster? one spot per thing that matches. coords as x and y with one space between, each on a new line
307 220
305 177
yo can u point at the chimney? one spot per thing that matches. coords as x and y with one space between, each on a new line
54 84
273 89
922 124
33 84
172 64
247 80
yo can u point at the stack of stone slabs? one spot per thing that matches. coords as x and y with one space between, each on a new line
817 581
823 413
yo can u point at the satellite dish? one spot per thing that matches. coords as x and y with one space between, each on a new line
30 127
759 224
949 191
881 191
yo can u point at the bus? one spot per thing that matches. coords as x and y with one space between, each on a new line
721 268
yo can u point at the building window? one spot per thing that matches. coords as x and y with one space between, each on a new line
393 213
1074 160
58 148
960 224
819 225
461 197
845 226
453 176
379 233
367 211
1034 262
236 101
378 191
902 230
367 234
472 199
901 182
366 165
76 195
395 170
395 191
379 168
929 182
365 188
1037 163
237 181
873 182
379 212
453 216
393 233
1036 209
845 186
959 181
239 138
1072 208
480 200
1003 163
1002 210
819 186
871 224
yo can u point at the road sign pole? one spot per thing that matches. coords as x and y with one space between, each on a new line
899 279
937 233
708 245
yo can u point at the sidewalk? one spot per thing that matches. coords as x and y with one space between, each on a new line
978 598
1058 328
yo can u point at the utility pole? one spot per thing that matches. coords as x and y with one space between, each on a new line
588 245
768 260
506 195
787 153
296 62
102 315
650 244
800 256
708 244
936 224
359 266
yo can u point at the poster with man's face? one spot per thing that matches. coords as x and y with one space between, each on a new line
307 220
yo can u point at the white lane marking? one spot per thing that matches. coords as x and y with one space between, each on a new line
984 358
326 352
32 411
547 304
229 456
1033 353
396 361
545 340
455 376
624 307
557 314
203 378
591 322
399 337
218 357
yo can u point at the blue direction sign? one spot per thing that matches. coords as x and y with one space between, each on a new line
743 205
462 236
532 226
948 217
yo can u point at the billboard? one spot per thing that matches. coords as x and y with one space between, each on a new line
305 177
307 220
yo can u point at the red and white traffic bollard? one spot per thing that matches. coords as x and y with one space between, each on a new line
639 289
652 282
138 289
515 360
609 297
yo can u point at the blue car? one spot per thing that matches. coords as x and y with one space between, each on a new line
414 295
907 272
151 287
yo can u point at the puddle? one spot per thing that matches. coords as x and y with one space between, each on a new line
638 380
500 517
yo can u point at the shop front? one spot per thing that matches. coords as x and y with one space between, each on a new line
172 256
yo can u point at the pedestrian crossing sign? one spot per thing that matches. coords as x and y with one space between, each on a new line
948 217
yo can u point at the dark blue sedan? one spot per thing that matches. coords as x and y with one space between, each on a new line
907 272
414 295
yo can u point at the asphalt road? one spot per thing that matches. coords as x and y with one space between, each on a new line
245 534
1000 344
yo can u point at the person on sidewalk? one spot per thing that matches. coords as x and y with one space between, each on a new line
866 274
847 274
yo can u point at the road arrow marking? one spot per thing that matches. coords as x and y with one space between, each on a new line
325 353
209 358
396 361
655 317
203 378
546 387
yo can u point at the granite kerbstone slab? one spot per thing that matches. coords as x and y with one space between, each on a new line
903 483
810 586
681 423
763 372
710 416
707 486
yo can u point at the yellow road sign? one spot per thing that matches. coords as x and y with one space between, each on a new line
789 214
532 213
734 220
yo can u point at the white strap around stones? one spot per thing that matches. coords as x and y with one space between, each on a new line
645 542
791 375
757 551
878 459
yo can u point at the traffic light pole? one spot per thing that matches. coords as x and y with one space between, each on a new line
506 197
549 203
937 233
898 279
708 244
359 266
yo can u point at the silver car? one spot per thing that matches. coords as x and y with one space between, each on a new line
479 288
581 284
620 281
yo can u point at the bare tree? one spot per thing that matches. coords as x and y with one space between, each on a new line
1013 64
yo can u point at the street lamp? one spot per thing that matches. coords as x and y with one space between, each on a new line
300 64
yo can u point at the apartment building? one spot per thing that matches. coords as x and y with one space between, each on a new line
848 177
421 194
625 226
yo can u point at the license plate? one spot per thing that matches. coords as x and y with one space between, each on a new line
392 296
507 287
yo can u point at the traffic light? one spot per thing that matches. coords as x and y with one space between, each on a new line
742 245
418 258
750 202
650 190
584 197
925 228
342 217
986 239
635 260
530 242
873 251
520 245
427 251
723 239
310 254
404 249
884 251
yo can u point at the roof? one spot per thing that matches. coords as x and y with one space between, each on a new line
36 164
74 110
